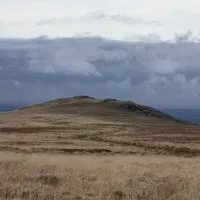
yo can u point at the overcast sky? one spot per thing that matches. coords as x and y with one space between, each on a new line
115 19
145 51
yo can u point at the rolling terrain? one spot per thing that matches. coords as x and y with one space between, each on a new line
82 148
85 125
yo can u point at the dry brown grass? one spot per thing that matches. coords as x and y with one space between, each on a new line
50 177
31 132
84 153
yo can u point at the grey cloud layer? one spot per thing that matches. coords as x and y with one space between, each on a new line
158 74
123 18
97 15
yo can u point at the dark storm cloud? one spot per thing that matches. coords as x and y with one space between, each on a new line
158 74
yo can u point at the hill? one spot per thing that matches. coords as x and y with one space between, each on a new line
107 109
86 125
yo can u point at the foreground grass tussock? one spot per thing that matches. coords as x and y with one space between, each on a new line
86 177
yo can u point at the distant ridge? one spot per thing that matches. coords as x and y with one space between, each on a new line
104 108
8 107
192 115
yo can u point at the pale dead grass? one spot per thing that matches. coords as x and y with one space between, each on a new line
84 156
72 133
57 177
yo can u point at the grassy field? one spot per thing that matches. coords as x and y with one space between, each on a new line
85 149
74 134
61 177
